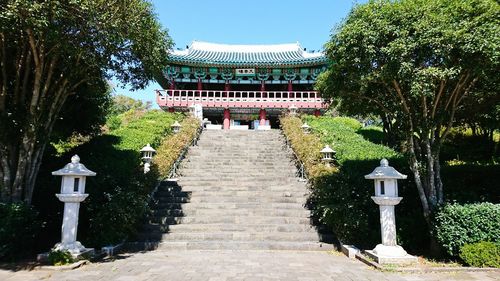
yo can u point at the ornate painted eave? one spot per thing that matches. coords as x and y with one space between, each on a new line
223 55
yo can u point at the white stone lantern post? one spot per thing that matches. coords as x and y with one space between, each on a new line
293 110
147 157
306 128
328 154
72 194
176 127
386 196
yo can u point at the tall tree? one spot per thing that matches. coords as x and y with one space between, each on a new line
51 48
416 61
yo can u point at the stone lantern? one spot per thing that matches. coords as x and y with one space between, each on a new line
72 194
306 128
176 127
147 157
328 154
293 110
386 196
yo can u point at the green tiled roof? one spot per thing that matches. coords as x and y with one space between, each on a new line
210 54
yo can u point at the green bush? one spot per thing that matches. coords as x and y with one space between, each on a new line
173 145
374 134
482 254
19 225
113 122
120 191
348 122
58 257
341 198
456 225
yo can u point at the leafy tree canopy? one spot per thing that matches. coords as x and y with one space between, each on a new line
415 62
49 49
123 104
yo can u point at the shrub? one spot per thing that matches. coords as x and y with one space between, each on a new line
348 122
120 191
456 225
341 197
372 133
306 146
59 257
113 122
19 225
173 145
482 254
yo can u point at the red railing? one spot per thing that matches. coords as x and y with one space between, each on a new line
240 99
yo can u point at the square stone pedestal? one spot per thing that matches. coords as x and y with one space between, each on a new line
384 254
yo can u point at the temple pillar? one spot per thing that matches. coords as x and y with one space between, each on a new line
317 113
290 87
200 86
262 86
262 117
227 119
227 86
172 84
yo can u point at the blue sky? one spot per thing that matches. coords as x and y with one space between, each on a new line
247 22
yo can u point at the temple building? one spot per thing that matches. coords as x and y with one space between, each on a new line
242 86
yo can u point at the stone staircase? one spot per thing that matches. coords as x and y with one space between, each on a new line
238 190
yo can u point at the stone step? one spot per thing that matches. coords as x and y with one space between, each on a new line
241 236
246 245
231 199
276 162
197 166
168 192
265 178
230 206
236 190
205 178
183 212
234 187
228 175
230 219
241 228
156 228
264 143
290 188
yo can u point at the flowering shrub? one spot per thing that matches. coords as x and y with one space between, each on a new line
173 144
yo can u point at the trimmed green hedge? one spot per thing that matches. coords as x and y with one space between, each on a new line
120 191
341 198
482 254
457 225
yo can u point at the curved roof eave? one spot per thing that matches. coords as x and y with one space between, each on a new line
207 54
233 64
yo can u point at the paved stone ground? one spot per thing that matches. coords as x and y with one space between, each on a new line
234 265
